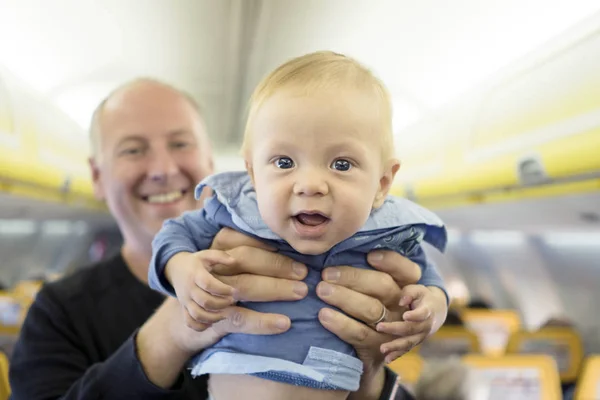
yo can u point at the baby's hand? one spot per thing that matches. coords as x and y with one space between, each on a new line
416 325
200 294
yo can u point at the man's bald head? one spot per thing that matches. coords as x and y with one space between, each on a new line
138 89
148 139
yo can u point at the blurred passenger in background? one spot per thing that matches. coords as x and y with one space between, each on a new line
447 379
557 322
453 318
479 303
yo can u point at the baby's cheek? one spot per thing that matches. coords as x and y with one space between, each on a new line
356 213
270 216
269 212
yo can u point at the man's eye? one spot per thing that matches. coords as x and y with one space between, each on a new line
132 152
180 145
284 163
341 165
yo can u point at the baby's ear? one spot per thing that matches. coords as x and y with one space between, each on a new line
250 170
385 183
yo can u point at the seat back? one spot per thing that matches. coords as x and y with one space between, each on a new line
492 327
516 377
4 385
562 344
449 341
588 384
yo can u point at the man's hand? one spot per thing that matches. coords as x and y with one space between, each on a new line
164 343
362 294
258 272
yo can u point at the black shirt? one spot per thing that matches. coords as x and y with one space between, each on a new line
78 341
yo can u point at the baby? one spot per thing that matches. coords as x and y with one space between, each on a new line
319 165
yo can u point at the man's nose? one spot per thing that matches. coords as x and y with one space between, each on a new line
310 183
162 166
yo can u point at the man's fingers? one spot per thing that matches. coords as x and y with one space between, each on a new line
263 288
243 320
401 269
228 239
362 307
250 260
349 330
371 283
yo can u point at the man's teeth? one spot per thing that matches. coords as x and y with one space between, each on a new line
165 197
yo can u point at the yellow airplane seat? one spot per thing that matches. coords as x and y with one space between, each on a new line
588 384
492 327
4 385
562 344
408 367
531 377
449 341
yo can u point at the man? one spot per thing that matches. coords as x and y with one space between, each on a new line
102 333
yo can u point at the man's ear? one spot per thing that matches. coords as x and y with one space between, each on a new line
250 170
96 179
385 183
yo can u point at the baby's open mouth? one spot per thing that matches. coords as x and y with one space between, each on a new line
311 219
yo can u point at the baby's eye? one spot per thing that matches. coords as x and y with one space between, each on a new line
284 163
341 165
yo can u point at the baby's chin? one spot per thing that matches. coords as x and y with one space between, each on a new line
310 247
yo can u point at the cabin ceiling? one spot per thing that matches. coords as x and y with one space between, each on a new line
428 53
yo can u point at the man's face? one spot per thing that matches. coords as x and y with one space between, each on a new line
153 151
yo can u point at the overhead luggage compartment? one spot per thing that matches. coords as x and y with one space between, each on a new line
43 153
533 132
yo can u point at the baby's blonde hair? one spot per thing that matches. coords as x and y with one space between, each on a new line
317 71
